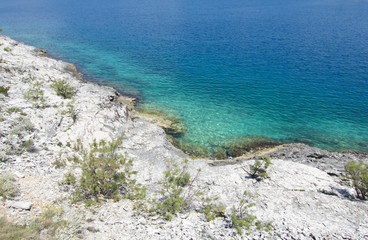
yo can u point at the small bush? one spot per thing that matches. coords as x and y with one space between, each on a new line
357 173
106 174
8 189
69 179
12 110
29 146
4 90
259 169
63 89
211 209
6 49
59 163
21 126
36 94
72 112
178 191
241 216
28 78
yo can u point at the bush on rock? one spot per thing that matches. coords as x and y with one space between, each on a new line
357 173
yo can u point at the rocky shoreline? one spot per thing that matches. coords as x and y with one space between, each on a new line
304 198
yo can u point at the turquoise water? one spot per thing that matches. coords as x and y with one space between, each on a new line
292 70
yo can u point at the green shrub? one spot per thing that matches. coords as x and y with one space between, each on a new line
36 94
178 190
69 179
28 78
106 174
29 146
211 209
241 216
72 112
21 126
8 189
259 169
4 90
59 163
357 173
6 49
12 110
63 89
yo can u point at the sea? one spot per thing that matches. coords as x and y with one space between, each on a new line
236 70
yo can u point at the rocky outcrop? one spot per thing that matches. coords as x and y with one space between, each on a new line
304 197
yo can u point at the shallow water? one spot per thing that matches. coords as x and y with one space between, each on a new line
288 70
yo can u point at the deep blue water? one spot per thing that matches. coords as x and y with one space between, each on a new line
290 70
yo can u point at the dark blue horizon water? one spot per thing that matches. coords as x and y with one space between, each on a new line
288 70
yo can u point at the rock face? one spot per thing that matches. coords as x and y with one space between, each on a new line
304 197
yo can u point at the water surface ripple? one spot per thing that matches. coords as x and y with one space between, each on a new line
288 70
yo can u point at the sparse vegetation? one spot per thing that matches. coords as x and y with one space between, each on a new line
59 163
15 141
51 224
106 174
21 126
7 70
72 112
4 90
36 94
63 89
12 110
259 169
211 209
241 216
69 179
29 146
28 78
12 231
178 190
7 49
8 188
357 173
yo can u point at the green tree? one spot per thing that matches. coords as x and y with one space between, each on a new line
357 173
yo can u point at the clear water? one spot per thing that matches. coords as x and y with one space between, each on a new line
289 70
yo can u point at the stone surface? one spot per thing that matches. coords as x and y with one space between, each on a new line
20 205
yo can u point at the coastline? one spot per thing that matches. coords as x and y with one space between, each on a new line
294 197
232 147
